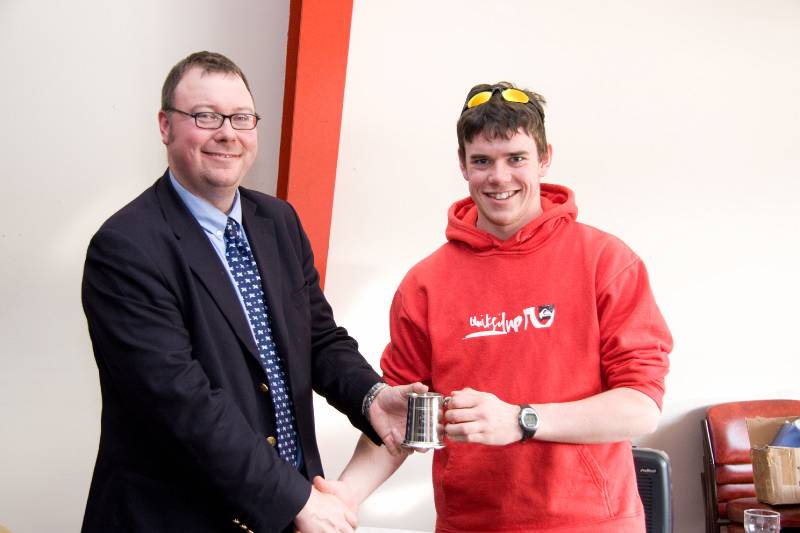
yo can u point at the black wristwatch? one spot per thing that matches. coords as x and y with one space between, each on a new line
528 421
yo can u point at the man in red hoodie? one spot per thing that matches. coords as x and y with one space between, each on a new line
542 329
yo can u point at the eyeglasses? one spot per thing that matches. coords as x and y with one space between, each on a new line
509 95
208 120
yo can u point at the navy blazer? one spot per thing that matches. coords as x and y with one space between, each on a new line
186 411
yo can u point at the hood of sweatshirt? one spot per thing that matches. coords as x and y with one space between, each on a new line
558 209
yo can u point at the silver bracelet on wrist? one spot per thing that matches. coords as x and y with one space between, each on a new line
370 397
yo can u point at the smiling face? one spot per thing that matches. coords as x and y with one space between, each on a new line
209 163
503 177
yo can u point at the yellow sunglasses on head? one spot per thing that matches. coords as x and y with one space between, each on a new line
509 95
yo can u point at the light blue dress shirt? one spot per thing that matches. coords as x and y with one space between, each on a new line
213 222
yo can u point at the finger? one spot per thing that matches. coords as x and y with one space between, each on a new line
418 387
462 400
463 429
460 415
472 438
322 485
351 518
327 489
390 438
393 450
403 450
392 446
415 387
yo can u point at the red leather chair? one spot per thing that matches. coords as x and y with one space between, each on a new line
727 475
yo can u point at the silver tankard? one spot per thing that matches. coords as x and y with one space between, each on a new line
422 424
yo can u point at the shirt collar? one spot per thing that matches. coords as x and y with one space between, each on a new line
209 217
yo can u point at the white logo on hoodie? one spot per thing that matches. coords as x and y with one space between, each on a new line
538 317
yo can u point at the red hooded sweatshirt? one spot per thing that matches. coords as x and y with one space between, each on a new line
558 312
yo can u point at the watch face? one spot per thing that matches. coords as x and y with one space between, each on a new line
530 419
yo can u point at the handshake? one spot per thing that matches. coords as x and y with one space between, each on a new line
335 508
471 416
333 505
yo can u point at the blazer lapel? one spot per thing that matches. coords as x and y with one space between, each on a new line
264 244
204 261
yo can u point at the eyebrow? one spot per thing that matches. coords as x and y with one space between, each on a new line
238 110
507 154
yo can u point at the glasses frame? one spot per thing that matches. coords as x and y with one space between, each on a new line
255 116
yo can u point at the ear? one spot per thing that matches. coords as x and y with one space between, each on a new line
462 165
545 160
163 126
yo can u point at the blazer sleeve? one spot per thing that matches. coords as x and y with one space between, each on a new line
340 373
144 354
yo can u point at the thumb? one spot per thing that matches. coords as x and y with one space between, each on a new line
322 484
416 387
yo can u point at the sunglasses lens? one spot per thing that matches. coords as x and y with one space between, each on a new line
509 95
515 95
479 98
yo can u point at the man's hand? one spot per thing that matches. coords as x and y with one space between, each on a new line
325 513
388 414
338 489
474 416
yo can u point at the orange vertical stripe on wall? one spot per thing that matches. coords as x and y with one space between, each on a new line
316 65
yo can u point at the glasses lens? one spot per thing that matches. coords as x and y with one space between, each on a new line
209 120
515 95
478 99
243 121
509 95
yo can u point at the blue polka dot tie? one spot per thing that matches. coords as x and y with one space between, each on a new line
245 272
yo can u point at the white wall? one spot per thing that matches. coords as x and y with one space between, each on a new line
81 86
675 123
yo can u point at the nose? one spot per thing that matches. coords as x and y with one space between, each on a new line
500 172
226 131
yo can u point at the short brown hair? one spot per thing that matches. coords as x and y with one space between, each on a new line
499 118
209 62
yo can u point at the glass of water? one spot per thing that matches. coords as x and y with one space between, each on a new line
762 521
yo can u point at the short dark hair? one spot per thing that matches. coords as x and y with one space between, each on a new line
209 62
499 118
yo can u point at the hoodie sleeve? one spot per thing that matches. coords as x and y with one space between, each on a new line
634 338
407 357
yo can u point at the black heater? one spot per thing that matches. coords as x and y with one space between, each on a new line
655 488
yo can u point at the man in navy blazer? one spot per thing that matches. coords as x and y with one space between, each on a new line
188 430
